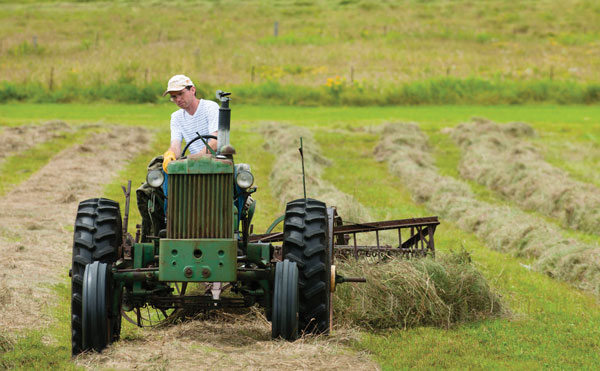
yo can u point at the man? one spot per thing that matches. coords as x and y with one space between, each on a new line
195 116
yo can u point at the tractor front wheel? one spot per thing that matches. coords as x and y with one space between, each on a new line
284 321
305 242
97 237
98 293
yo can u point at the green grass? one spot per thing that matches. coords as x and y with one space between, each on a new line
48 348
249 147
553 326
574 121
443 90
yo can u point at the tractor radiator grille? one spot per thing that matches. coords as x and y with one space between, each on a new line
200 206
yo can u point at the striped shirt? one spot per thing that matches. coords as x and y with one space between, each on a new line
204 121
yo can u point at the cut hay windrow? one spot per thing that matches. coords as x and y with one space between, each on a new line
229 342
503 228
398 293
283 141
406 293
34 238
501 158
18 139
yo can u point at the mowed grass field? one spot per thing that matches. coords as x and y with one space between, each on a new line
551 324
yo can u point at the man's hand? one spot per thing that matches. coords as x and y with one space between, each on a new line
168 157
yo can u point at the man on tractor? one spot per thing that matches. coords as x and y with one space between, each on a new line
195 117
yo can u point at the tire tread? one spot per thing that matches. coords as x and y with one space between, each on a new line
305 242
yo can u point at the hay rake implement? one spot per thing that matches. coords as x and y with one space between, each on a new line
418 238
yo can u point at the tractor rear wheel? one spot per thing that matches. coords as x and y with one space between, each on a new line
97 237
284 321
305 242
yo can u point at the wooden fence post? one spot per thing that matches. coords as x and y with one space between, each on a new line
51 81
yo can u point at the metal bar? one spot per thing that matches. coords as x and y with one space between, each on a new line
413 240
364 247
420 230
377 237
359 228
136 270
390 224
303 173
431 242
355 247
399 237
127 192
267 237
354 279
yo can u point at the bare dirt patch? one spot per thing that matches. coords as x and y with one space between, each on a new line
36 218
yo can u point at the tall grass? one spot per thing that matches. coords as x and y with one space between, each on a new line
459 51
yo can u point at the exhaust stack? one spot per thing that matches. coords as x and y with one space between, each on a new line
223 145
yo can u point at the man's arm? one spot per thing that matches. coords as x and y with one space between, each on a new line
212 143
176 148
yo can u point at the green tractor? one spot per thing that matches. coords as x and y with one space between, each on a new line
207 257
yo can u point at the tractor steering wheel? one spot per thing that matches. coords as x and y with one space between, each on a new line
195 139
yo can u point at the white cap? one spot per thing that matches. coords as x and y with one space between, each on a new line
178 83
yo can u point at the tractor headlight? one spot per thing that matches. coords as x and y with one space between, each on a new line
244 179
155 178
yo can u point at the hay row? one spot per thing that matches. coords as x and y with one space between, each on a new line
286 178
500 157
502 228
34 236
419 292
18 139
229 342
398 293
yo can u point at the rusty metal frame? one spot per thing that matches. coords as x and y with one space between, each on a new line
418 241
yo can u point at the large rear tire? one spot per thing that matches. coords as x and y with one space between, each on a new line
98 235
284 322
305 242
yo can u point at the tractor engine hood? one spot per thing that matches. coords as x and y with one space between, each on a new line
200 164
